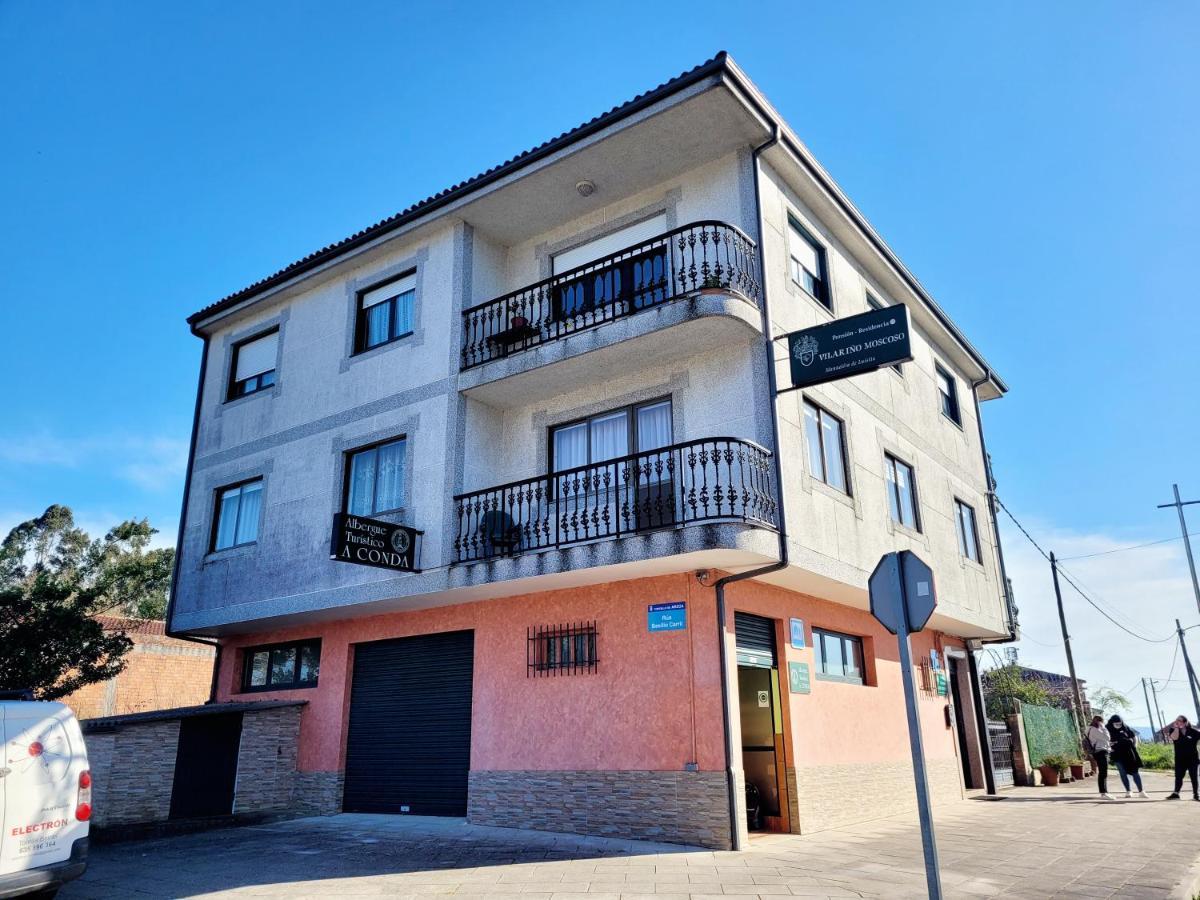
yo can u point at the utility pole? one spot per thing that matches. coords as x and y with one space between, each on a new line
1149 711
1154 692
1187 544
1191 673
1062 620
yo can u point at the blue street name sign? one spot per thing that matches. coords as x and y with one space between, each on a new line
666 616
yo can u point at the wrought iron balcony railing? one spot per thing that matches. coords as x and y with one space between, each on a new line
716 479
703 255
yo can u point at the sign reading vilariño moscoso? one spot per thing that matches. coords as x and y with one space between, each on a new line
370 542
850 346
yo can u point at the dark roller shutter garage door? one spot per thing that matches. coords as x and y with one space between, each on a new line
409 743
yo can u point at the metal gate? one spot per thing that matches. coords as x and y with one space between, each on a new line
1000 744
409 743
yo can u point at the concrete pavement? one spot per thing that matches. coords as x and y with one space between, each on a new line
1034 843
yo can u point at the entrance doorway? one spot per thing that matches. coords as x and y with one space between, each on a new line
761 716
960 723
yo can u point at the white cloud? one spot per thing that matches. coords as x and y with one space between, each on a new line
154 464
1144 589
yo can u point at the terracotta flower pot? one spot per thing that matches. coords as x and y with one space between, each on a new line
1077 771
1049 775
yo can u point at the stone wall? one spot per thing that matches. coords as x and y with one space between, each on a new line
133 770
266 777
318 793
831 796
676 807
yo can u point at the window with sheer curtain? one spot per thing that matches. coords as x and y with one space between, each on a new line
634 429
825 435
238 508
385 313
375 479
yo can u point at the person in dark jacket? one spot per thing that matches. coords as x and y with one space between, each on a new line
1124 754
1187 760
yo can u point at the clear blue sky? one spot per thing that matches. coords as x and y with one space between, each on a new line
1035 164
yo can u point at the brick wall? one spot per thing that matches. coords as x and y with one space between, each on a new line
160 672
677 807
832 796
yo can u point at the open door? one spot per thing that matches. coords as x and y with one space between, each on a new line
761 716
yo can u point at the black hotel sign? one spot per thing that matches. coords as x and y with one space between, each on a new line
849 346
370 542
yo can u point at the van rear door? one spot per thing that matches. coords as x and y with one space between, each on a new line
45 756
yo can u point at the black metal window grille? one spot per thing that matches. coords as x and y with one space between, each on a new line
561 649
716 479
703 255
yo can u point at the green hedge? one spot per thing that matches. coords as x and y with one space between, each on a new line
1157 756
1049 732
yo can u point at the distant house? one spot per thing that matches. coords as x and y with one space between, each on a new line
1060 687
160 672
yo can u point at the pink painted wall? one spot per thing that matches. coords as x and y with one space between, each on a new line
847 723
653 704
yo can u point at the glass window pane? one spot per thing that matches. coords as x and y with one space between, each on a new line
654 426
283 665
835 468
610 436
310 662
389 480
247 527
570 447
227 518
258 669
804 252
362 483
378 323
812 432
893 503
904 482
404 314
853 658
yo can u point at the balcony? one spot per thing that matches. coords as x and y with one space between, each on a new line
713 480
694 259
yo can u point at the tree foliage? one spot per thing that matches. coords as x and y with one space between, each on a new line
1107 700
54 581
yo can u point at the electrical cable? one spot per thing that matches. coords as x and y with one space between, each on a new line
1077 588
1131 547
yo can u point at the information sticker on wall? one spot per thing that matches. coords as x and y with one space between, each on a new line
798 678
798 633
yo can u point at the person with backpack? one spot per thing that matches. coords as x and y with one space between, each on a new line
1125 756
1187 760
1098 745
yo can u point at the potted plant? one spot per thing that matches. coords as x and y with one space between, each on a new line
712 285
1051 769
1077 769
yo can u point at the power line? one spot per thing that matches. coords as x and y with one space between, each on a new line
1131 547
1078 589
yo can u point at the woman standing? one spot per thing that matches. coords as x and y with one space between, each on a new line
1124 754
1187 760
1099 745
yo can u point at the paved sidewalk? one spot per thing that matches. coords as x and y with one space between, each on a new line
1035 843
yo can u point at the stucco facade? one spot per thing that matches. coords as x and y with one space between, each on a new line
648 724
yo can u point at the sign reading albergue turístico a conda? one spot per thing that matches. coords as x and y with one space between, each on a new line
850 346
371 542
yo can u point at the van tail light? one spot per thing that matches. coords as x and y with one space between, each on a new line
83 800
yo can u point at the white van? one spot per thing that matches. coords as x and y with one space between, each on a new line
45 798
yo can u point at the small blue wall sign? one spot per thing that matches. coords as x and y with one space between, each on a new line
666 616
798 633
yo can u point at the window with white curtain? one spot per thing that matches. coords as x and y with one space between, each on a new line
808 262
634 429
825 434
385 313
902 493
375 479
254 364
238 509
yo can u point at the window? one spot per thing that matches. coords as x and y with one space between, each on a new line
639 277
253 365
826 446
644 428
808 263
968 534
385 313
948 392
902 493
375 479
839 656
238 508
875 304
282 666
561 649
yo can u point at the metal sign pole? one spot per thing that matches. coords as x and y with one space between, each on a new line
933 876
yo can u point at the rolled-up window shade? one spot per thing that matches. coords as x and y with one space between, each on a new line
257 356
804 252
388 291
